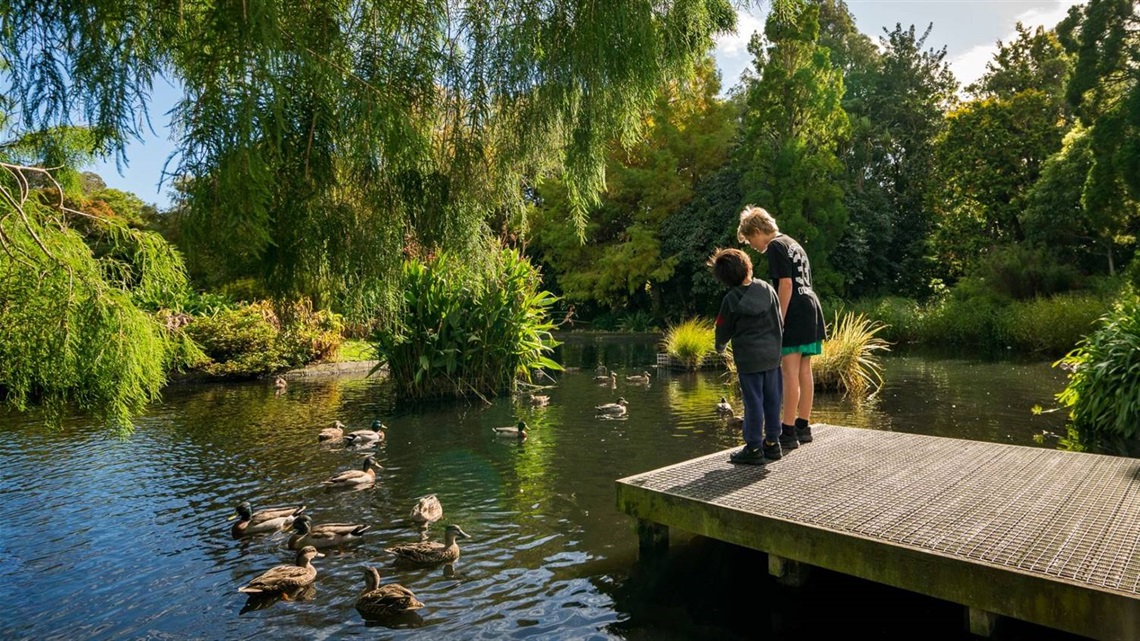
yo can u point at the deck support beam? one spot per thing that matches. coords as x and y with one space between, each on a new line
982 622
788 572
652 539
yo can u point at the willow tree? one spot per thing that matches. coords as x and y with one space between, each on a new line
321 140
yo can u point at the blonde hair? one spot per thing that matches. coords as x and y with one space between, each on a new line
755 220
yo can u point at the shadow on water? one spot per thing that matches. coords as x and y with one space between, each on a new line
132 534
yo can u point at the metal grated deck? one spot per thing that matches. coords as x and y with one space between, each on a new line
1062 516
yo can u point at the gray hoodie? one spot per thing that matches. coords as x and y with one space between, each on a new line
750 318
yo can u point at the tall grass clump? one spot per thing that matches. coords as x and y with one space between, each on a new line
690 342
1103 392
467 327
850 360
900 318
1052 325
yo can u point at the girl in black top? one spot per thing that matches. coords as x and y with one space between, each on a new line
804 330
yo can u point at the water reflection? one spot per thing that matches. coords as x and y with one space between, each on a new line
549 555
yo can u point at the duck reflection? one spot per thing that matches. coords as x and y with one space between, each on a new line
265 600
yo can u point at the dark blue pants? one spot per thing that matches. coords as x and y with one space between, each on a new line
763 393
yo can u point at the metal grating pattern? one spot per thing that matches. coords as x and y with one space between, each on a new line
1073 517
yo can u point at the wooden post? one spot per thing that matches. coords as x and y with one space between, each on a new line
788 572
652 539
981 622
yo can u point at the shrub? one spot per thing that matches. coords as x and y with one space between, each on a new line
849 361
1050 325
690 342
467 328
252 340
640 321
1103 392
900 319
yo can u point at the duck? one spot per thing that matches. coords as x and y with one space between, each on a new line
366 438
356 478
723 407
284 579
732 420
383 601
262 521
427 553
334 433
536 400
638 378
613 409
280 382
601 372
427 510
518 431
610 380
324 535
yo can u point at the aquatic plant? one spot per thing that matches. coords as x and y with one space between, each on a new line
850 360
1103 392
690 341
467 327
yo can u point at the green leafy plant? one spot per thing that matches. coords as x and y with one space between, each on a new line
850 359
467 328
1103 392
690 342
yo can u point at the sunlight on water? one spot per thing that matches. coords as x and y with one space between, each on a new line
132 534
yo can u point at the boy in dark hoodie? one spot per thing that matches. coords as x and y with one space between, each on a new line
750 318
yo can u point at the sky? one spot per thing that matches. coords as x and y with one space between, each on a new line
969 29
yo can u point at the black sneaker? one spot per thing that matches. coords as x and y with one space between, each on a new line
803 431
788 438
747 456
772 450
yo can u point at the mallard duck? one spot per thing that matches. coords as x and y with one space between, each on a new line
356 478
427 510
732 420
366 438
334 433
280 382
518 431
324 535
601 371
383 601
536 400
425 553
284 579
262 521
723 407
613 409
638 378
606 379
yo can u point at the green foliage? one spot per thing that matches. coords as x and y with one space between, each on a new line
316 135
467 327
1052 325
76 309
792 127
639 321
850 360
899 319
1017 272
257 339
620 262
1103 392
690 341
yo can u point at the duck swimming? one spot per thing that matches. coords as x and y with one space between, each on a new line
262 521
331 434
366 438
613 409
383 601
324 535
427 553
284 579
356 478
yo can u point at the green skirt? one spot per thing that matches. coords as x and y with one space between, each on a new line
811 349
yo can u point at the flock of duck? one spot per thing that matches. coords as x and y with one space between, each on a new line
378 601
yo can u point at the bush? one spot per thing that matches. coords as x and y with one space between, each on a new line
1019 272
1050 325
899 319
1103 392
849 361
467 328
252 340
690 342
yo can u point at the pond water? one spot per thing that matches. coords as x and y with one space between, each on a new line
127 539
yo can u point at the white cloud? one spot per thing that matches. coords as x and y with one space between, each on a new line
970 65
734 44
